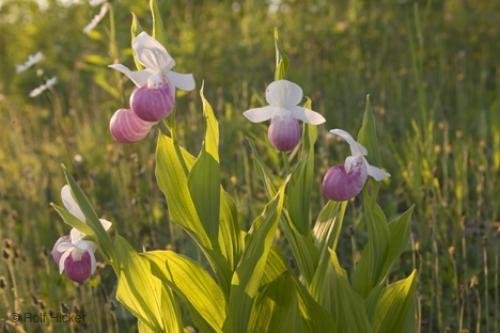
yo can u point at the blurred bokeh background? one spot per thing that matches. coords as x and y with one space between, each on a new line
431 69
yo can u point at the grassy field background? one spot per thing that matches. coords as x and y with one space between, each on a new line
431 69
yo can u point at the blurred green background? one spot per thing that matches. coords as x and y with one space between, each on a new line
431 69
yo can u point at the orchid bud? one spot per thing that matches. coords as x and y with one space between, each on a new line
340 184
284 133
153 103
78 265
56 254
127 127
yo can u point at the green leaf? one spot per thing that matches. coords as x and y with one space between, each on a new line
211 143
368 271
204 188
158 27
303 248
250 270
277 308
281 59
301 183
347 307
142 293
275 266
135 29
173 164
327 231
385 244
329 224
204 178
194 284
72 221
317 319
395 311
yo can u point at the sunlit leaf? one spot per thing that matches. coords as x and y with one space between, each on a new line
194 284
142 293
395 311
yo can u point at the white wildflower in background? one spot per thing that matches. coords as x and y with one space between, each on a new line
98 18
95 3
32 60
47 85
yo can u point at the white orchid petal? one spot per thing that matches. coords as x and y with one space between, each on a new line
307 116
259 115
63 258
70 203
76 235
85 245
140 78
63 246
356 147
181 81
105 224
151 53
283 93
377 173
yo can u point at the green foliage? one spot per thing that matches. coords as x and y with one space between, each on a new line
196 287
142 293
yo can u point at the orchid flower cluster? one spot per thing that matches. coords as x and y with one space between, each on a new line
341 182
245 284
154 96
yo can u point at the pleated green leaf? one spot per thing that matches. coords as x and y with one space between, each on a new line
173 164
194 284
204 177
250 270
277 308
142 293
347 307
135 29
204 188
302 180
158 27
395 311
385 244
368 270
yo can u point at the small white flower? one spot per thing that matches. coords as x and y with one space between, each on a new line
357 157
72 206
96 19
283 97
32 60
158 66
40 89
95 3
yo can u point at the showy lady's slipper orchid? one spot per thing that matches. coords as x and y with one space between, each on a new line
77 258
283 97
345 181
126 127
73 254
154 97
